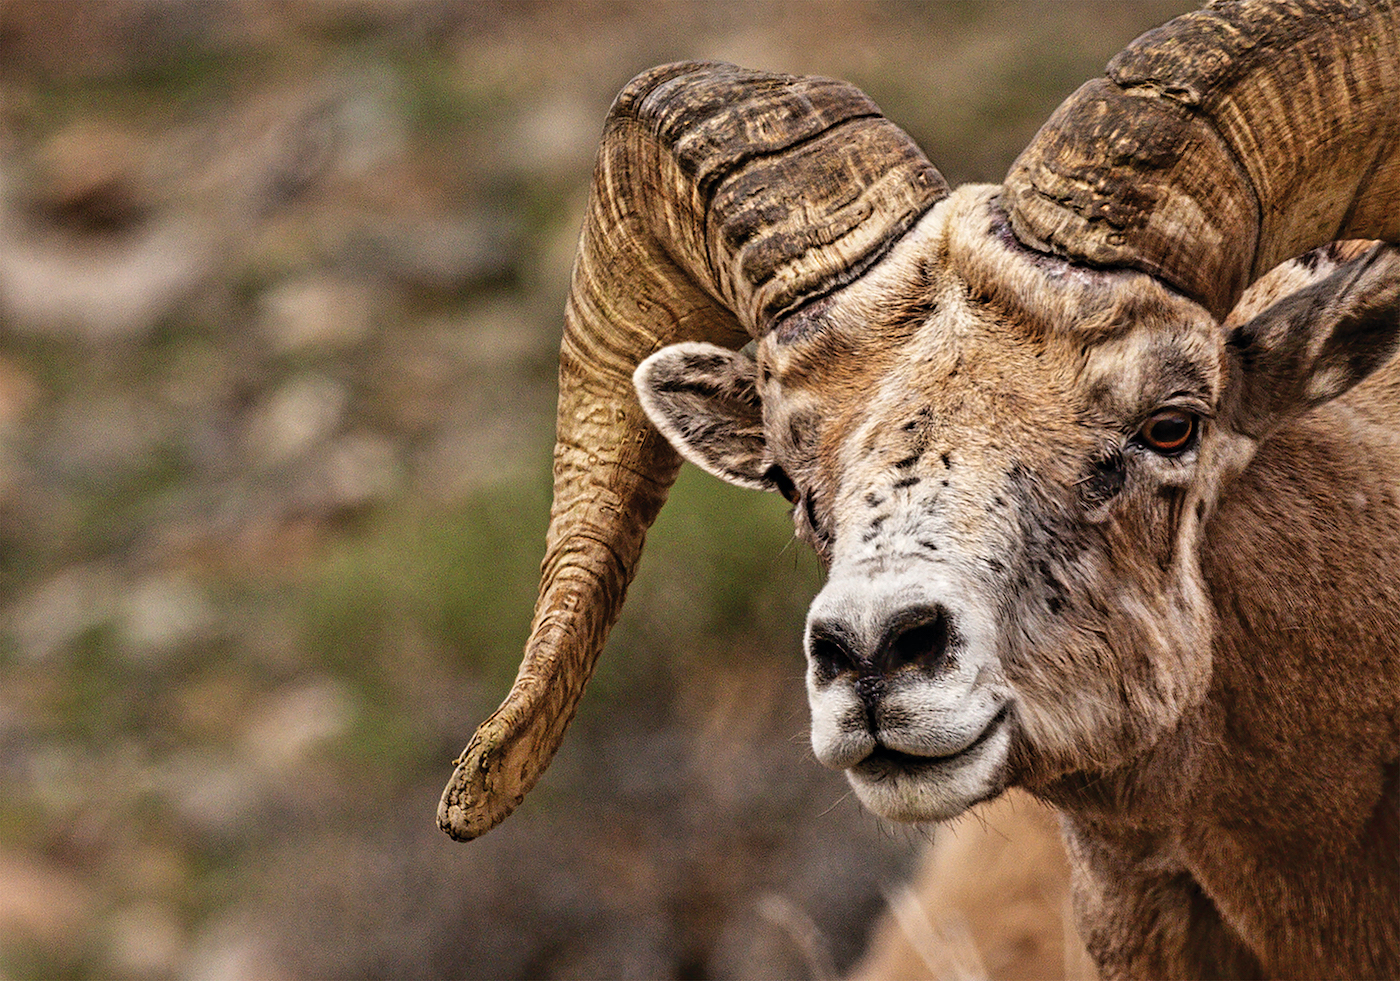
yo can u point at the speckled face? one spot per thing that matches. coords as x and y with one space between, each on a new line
1005 462
1007 499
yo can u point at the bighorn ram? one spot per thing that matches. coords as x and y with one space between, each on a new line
1083 535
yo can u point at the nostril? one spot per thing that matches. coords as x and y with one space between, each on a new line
919 636
830 651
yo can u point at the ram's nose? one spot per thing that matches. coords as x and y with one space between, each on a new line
875 647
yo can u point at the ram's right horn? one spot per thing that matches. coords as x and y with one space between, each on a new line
722 199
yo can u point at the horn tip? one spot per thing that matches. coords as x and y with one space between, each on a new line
470 804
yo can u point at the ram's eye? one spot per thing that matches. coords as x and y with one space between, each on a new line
783 483
1169 431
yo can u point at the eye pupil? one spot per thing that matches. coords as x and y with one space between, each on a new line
1169 431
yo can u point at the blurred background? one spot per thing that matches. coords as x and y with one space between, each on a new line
280 294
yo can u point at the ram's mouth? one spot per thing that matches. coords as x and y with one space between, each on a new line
884 762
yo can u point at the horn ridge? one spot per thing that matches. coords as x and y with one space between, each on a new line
737 113
1222 143
736 136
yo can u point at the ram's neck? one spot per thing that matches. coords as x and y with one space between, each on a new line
1297 790
1266 829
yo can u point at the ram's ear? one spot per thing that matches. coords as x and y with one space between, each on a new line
704 399
1315 344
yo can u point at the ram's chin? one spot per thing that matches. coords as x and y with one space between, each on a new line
908 788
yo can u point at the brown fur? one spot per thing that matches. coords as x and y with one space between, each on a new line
1199 647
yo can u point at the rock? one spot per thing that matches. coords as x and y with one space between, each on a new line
233 948
45 622
42 902
88 245
89 180
146 940
212 793
161 614
60 286
303 412
318 312
295 723
357 471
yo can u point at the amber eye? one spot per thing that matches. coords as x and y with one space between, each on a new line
1168 431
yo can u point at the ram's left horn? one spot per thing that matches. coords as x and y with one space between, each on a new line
1218 146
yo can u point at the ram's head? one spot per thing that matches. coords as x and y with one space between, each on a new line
1003 415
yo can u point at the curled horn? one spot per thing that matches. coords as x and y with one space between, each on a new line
722 200
1221 144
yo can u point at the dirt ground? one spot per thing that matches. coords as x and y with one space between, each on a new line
280 294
